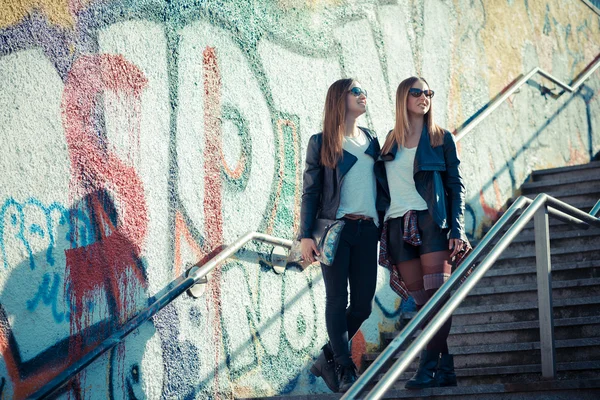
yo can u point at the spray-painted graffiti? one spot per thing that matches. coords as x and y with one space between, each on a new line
139 138
106 263
47 293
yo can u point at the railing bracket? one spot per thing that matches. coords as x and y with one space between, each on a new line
279 259
199 287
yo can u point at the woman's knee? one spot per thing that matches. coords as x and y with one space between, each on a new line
336 303
436 270
361 313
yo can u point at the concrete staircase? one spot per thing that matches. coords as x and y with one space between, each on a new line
495 333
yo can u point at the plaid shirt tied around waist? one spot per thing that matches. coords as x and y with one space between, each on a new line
411 229
411 236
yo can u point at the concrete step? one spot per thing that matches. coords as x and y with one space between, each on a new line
506 354
582 171
586 188
585 389
515 332
572 236
580 389
516 373
526 273
525 311
527 331
555 224
575 249
512 258
572 181
559 241
572 288
591 194
555 189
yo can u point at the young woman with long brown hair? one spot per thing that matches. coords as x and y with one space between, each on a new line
340 183
425 219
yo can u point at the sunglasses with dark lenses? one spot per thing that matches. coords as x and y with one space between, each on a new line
414 92
358 91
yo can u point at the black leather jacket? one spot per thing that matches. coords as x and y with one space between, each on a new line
438 180
322 185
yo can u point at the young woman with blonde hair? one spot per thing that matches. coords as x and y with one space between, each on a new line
424 223
340 183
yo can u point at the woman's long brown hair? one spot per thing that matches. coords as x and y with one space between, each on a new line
334 117
402 126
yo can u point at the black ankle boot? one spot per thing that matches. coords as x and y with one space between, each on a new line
445 375
324 367
346 376
425 375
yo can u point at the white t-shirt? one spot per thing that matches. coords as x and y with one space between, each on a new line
403 193
359 187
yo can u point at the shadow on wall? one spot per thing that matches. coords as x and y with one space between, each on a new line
493 212
272 342
45 327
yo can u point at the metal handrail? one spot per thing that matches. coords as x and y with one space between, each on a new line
596 209
537 209
592 6
516 85
194 275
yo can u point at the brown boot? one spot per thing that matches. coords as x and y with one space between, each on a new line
324 367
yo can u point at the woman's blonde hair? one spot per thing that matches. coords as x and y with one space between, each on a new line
402 126
334 117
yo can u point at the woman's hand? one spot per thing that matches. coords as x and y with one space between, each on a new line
457 245
308 249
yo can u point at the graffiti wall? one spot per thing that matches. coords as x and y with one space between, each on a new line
139 137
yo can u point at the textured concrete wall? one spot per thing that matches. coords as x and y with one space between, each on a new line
140 136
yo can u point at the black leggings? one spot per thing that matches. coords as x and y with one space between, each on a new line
355 263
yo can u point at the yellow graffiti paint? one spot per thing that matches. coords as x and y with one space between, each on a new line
506 30
575 29
14 11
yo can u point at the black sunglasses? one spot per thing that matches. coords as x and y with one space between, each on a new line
358 91
414 92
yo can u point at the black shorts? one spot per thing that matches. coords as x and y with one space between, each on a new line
433 237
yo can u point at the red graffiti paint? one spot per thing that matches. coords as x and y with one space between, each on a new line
359 349
99 178
93 166
212 154
212 186
492 211
488 210
101 183
183 235
25 384
21 387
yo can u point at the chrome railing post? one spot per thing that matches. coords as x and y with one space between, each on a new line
544 289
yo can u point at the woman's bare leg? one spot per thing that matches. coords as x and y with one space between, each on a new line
412 275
